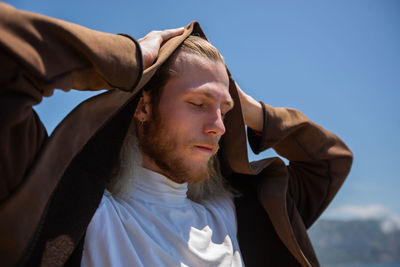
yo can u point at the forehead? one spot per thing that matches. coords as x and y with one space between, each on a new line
192 73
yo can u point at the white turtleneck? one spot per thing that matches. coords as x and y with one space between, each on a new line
155 224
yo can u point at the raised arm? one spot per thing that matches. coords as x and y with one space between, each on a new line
319 160
39 54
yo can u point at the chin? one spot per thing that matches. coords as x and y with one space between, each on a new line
197 173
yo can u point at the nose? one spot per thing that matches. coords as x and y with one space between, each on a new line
215 124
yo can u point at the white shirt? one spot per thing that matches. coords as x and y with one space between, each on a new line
157 225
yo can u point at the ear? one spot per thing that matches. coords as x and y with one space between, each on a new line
143 109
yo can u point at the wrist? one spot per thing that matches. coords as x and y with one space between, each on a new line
252 113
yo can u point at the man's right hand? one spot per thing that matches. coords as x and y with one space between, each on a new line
151 43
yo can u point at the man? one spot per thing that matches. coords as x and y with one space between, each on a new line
179 121
55 192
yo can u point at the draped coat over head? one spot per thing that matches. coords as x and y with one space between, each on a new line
50 186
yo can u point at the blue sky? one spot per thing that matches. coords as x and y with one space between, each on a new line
337 61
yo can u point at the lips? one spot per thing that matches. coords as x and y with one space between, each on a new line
206 148
212 149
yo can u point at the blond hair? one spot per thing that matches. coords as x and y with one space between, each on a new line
201 47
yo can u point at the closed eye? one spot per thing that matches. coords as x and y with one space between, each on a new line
196 104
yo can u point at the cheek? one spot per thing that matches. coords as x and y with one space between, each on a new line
184 128
180 117
182 122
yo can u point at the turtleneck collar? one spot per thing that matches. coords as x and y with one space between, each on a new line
152 187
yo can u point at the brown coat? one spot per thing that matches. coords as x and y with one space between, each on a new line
50 186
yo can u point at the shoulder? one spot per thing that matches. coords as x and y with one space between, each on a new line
222 207
105 212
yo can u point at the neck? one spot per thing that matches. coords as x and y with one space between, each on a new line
149 163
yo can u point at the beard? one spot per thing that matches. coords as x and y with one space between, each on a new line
161 145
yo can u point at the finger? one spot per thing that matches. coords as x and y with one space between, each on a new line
163 35
168 34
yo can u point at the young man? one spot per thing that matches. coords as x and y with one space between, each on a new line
55 208
179 122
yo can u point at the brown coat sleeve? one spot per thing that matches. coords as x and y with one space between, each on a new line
319 160
39 54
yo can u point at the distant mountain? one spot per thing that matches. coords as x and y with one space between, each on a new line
355 242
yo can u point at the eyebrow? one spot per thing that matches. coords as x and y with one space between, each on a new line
228 102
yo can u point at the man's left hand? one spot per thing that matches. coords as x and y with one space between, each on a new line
252 111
